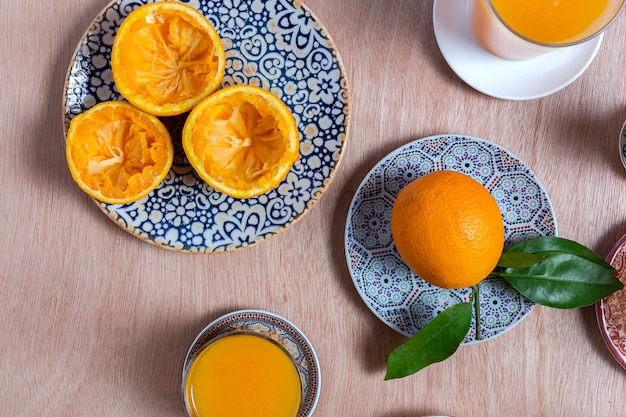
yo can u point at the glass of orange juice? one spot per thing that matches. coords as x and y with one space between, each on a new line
524 29
250 363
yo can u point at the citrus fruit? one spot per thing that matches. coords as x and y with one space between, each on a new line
241 140
117 153
448 229
166 57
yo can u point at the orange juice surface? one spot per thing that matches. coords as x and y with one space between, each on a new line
243 376
552 21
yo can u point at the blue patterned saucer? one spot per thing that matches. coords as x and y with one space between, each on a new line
396 295
278 45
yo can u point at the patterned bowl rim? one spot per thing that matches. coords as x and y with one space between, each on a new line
599 309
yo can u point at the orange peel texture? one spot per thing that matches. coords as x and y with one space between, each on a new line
448 229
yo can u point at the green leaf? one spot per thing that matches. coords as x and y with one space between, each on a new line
518 259
563 280
551 243
436 341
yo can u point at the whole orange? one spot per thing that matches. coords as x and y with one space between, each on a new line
448 229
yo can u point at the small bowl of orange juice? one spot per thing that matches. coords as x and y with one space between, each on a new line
251 362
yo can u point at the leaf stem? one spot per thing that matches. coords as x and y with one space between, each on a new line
476 297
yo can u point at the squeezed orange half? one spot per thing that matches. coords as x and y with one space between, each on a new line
118 153
241 140
166 57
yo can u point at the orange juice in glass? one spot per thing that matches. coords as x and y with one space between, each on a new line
239 375
524 29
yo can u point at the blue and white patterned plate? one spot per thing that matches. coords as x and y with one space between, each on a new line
278 45
396 295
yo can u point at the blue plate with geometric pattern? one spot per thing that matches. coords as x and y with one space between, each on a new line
280 46
397 296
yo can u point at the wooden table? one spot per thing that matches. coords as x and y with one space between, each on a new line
97 322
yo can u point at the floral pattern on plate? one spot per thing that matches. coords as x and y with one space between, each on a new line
611 312
279 330
390 289
278 45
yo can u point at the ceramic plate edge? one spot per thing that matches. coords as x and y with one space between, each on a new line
599 310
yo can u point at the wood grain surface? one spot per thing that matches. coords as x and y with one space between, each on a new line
94 321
